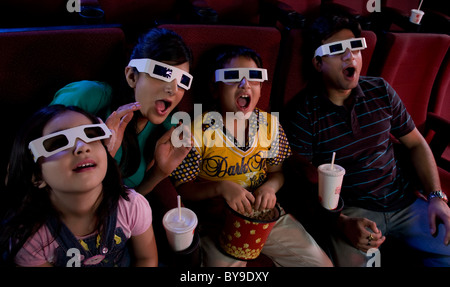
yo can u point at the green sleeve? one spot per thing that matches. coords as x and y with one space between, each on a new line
92 96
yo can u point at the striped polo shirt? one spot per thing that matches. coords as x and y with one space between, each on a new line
360 134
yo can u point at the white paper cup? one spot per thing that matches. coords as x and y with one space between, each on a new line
330 182
416 16
180 232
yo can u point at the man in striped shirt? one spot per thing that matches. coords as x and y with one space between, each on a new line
357 117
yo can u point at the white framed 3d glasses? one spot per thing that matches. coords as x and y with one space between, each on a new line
339 47
56 142
235 75
162 71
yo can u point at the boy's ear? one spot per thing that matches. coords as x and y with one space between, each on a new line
317 63
131 77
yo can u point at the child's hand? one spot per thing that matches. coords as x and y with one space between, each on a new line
117 122
167 157
265 198
237 197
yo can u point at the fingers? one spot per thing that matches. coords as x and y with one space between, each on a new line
131 107
372 225
122 116
432 223
126 119
371 244
242 199
370 240
181 137
447 233
370 236
374 240
245 204
166 136
264 202
439 212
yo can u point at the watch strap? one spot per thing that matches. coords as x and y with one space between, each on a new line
439 194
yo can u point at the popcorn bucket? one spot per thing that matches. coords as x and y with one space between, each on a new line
243 237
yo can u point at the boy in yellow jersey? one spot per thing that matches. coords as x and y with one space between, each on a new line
237 158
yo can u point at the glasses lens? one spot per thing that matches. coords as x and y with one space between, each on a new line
231 75
185 80
54 143
94 132
336 48
162 71
356 44
254 74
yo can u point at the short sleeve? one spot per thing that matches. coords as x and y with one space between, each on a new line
37 250
189 168
135 215
280 149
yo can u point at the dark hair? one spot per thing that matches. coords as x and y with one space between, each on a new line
29 206
229 52
326 26
161 45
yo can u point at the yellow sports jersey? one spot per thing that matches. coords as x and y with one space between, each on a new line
217 155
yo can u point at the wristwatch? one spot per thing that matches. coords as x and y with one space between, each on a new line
438 194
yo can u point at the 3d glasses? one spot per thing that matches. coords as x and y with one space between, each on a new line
56 142
164 72
235 75
339 47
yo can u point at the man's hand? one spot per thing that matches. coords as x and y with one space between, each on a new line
439 210
362 232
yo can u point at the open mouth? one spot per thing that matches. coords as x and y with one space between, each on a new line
243 102
84 166
349 72
162 106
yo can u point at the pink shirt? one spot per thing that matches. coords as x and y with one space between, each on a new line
133 216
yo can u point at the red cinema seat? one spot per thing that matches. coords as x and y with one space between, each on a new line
139 12
409 62
438 122
232 12
440 102
288 14
35 64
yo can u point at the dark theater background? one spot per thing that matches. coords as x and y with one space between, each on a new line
47 44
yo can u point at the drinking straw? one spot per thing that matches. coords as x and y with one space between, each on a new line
420 4
332 160
179 207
